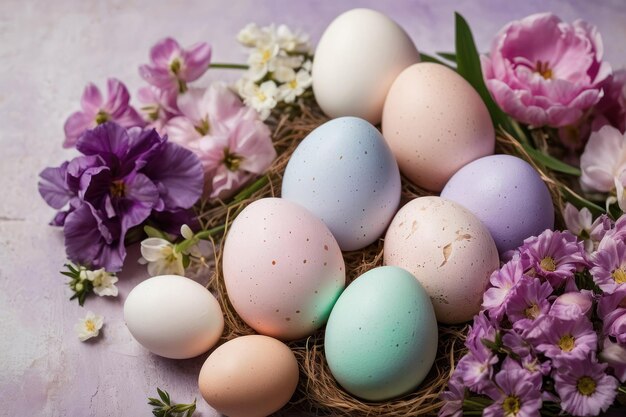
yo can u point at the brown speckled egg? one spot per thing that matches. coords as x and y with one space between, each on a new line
448 250
435 123
250 376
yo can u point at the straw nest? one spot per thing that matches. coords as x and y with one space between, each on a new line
318 393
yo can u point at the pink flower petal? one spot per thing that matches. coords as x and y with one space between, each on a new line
197 60
91 101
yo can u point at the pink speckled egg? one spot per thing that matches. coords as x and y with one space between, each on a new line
283 269
435 123
448 250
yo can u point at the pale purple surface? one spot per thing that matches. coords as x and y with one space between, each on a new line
50 51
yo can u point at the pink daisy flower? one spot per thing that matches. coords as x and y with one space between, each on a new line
564 339
528 301
502 281
609 271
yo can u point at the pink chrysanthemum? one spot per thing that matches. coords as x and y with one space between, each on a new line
564 339
609 270
453 399
584 387
554 255
527 302
502 281
517 395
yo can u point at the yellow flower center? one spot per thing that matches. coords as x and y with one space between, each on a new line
532 311
261 95
90 325
118 189
619 275
231 160
586 386
511 405
547 264
101 117
293 84
204 127
265 57
567 343
543 70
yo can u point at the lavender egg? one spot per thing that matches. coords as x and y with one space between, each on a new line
507 195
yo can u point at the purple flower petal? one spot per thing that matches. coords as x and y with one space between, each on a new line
197 60
53 187
141 195
118 98
108 139
178 174
75 126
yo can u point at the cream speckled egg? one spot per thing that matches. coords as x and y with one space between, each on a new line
356 60
448 250
283 269
435 123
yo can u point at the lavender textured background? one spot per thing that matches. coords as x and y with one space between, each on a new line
48 52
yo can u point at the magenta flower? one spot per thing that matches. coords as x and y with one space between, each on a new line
122 178
603 160
543 71
614 355
572 305
172 67
516 396
563 339
476 368
230 140
554 255
96 111
502 281
158 107
609 270
584 387
527 302
453 399
611 109
612 311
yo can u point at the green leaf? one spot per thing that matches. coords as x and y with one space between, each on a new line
68 274
154 402
581 202
550 161
468 66
154 232
430 58
164 396
448 56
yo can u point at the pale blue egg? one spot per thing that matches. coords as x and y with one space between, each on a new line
345 173
381 337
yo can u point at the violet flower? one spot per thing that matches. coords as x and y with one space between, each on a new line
96 111
572 305
609 266
584 387
502 281
614 354
230 140
172 67
543 71
122 178
453 399
563 339
554 255
527 302
476 368
516 396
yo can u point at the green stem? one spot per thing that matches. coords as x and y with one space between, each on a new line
249 190
205 234
228 66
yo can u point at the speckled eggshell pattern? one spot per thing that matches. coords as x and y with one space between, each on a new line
345 174
381 337
449 250
356 60
173 316
249 376
507 195
435 123
283 269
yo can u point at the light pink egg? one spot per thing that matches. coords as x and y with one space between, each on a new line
435 123
448 250
283 269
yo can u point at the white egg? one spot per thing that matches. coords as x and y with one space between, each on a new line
356 60
173 316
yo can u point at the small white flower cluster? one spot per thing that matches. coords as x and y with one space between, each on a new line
279 67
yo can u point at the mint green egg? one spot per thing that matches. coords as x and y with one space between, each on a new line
381 336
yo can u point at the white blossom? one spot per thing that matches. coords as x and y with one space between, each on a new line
262 98
293 84
161 257
263 59
103 282
250 35
89 327
292 41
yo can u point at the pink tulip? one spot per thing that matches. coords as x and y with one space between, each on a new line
543 71
172 67
96 111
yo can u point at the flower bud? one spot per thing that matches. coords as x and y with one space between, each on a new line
572 305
